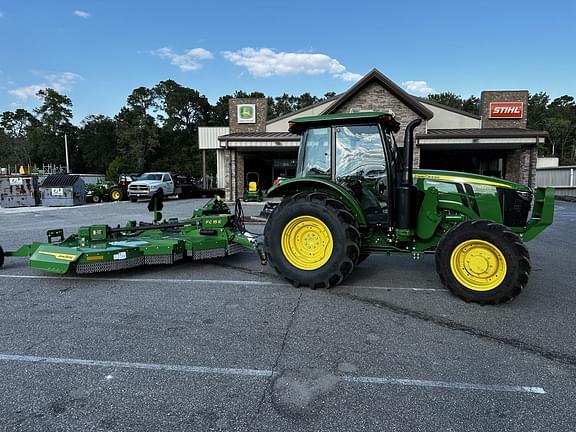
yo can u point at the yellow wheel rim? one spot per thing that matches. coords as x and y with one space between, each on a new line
115 195
478 265
307 243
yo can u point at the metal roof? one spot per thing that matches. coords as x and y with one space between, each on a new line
60 180
259 136
483 133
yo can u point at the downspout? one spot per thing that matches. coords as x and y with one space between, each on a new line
229 168
530 179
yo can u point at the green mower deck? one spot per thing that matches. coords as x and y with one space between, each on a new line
211 232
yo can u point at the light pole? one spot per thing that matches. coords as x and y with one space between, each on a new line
66 149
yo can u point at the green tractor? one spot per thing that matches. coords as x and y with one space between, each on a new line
103 191
253 191
355 194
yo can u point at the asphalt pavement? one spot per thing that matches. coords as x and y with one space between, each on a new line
227 345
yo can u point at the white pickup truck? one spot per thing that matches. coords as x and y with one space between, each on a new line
151 182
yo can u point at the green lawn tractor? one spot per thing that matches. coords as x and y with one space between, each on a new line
252 190
103 191
355 195
212 231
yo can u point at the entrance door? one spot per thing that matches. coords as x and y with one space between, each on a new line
361 168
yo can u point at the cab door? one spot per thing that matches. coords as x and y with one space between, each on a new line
361 167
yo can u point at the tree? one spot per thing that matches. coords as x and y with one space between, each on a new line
97 142
447 98
137 130
55 116
18 128
471 105
561 125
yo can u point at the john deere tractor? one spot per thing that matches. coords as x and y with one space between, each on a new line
355 194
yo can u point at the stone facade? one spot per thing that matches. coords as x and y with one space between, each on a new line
261 115
374 97
234 178
521 166
503 96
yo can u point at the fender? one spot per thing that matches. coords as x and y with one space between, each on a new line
292 186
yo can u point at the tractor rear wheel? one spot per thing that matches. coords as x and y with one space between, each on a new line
483 262
115 194
312 239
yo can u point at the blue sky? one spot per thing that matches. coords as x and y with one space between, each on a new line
98 51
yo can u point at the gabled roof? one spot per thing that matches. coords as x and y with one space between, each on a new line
376 76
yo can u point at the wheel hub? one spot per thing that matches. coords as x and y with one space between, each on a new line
478 265
307 243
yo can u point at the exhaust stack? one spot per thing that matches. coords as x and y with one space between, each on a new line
406 193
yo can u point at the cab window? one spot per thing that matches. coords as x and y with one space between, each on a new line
315 153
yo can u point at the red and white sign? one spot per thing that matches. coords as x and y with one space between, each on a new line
510 110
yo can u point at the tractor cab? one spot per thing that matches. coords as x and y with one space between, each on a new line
356 151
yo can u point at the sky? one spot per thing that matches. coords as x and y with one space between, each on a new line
96 52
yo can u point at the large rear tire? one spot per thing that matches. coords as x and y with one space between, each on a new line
311 239
483 262
116 194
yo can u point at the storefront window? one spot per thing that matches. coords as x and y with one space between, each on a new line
315 153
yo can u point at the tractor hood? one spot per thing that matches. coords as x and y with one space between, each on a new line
467 178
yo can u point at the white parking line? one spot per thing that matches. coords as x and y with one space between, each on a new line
204 281
266 373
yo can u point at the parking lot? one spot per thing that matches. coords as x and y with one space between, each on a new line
227 345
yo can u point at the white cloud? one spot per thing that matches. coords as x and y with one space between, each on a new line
188 61
61 82
420 87
82 14
266 62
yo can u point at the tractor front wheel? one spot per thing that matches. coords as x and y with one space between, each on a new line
312 240
483 262
96 198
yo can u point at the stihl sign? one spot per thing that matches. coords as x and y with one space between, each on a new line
506 110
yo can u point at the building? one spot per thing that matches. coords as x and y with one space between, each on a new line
495 143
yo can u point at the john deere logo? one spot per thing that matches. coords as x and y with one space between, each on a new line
247 113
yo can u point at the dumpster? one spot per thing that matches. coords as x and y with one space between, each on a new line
62 190
19 191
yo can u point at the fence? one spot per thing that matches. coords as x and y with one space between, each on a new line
33 169
561 178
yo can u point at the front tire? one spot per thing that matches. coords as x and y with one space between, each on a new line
483 262
96 199
311 239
